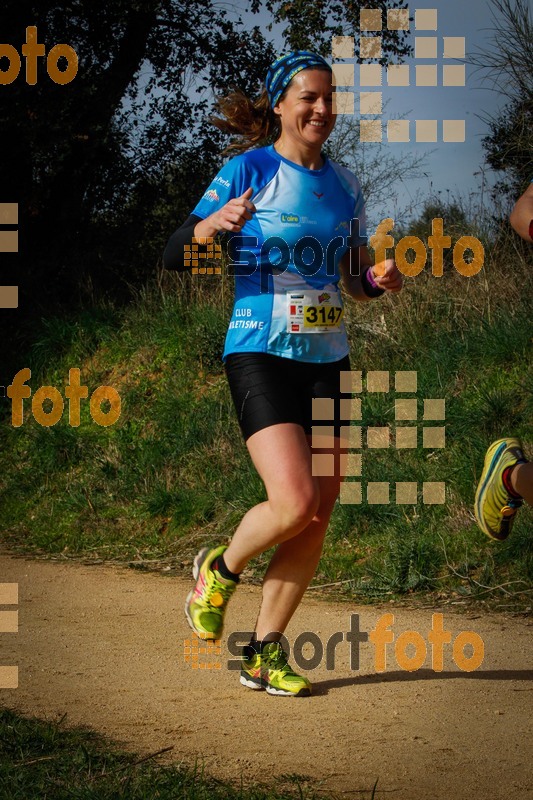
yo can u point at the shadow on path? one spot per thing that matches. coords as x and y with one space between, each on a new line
323 687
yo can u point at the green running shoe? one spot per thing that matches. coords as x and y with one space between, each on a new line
206 603
495 510
270 670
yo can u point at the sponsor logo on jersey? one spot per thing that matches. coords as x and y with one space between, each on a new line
343 226
211 195
324 297
222 181
292 219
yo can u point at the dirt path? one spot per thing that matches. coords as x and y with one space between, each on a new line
106 647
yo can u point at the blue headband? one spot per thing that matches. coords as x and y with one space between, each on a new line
283 70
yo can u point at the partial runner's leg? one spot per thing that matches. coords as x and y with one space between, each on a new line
496 501
291 569
295 517
522 481
282 457
293 566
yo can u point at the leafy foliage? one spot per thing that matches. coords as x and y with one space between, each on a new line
509 146
310 26
507 65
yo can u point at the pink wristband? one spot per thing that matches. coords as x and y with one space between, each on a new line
370 278
370 287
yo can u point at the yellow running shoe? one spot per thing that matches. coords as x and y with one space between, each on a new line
270 670
494 508
206 603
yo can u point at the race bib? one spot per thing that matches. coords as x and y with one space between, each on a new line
314 312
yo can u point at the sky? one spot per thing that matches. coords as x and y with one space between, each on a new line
452 169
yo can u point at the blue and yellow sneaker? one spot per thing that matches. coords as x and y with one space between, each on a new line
495 508
270 670
206 603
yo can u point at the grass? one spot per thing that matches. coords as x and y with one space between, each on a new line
44 760
173 474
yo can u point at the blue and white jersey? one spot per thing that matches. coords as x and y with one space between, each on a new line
286 258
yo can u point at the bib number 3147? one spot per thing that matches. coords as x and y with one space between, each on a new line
314 312
327 316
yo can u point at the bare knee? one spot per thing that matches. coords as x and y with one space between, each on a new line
296 509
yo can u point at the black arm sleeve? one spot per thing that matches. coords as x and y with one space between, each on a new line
173 255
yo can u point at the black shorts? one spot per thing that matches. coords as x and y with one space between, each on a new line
268 390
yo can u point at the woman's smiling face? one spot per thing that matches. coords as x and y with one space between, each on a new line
306 108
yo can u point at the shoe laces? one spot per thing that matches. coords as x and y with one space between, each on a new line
217 587
277 659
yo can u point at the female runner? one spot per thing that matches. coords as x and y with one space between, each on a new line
286 344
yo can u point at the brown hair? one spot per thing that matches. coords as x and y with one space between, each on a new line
252 121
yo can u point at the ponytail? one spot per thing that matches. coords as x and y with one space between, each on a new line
252 122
